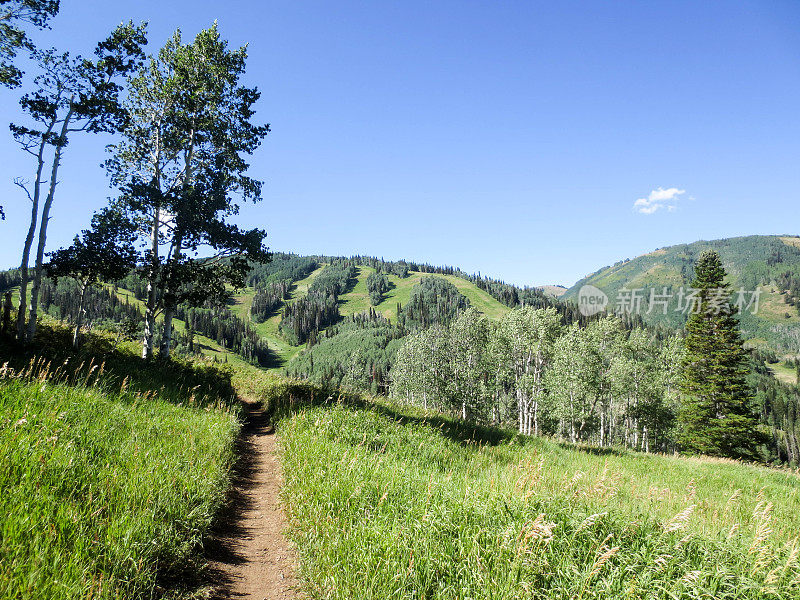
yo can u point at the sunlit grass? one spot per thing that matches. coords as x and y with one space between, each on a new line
388 502
107 482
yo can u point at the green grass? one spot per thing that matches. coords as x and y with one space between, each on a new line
356 300
108 483
388 502
784 373
481 300
111 468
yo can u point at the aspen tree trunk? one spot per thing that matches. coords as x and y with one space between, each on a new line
26 250
7 306
611 420
150 304
602 428
152 276
626 432
37 273
170 306
531 409
169 313
79 318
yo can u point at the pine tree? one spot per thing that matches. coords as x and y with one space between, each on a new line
716 417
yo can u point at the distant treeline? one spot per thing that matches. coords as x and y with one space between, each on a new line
377 285
434 300
359 351
9 279
102 305
505 293
108 308
779 407
288 267
268 298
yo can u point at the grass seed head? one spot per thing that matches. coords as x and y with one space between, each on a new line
679 521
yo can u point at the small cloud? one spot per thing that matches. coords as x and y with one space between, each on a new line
657 199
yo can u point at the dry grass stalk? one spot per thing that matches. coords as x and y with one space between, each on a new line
533 532
590 521
604 554
679 521
759 546
691 577
606 485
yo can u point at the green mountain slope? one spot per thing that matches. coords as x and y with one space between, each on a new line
283 350
355 301
771 263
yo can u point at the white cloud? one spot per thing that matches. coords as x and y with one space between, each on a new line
657 199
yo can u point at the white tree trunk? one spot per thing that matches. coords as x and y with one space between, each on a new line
150 305
37 273
79 318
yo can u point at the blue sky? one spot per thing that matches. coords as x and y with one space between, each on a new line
510 138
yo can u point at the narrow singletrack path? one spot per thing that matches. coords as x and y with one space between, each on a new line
249 556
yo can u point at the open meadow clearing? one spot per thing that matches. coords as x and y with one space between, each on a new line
390 502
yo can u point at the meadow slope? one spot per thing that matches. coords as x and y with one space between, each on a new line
111 474
386 501
356 300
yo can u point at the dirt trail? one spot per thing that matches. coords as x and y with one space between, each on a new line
249 555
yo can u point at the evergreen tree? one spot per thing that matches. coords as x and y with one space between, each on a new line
716 415
377 285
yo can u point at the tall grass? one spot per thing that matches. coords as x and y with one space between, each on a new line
389 503
109 476
179 381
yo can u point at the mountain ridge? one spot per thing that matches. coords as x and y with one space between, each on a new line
770 263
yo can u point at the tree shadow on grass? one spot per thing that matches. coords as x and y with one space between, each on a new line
595 450
281 398
175 380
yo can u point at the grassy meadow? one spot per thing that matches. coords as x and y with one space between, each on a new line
110 474
389 502
357 299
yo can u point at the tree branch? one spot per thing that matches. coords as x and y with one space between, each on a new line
22 184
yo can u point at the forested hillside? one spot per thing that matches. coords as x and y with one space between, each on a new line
769 262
